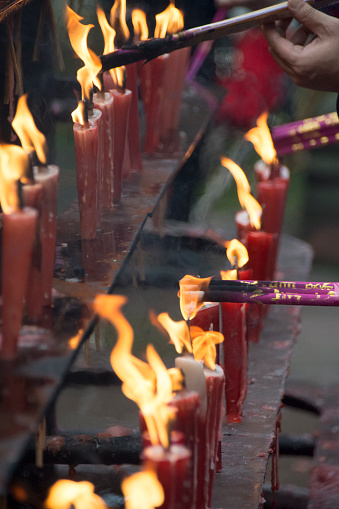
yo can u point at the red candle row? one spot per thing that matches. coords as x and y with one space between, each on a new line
108 148
27 257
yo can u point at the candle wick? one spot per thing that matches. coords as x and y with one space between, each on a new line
20 186
85 124
101 92
275 169
236 266
28 176
189 334
89 105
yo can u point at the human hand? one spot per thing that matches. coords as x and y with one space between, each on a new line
310 63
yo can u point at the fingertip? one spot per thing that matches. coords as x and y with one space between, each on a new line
294 5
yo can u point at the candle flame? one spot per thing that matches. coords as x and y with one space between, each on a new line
118 74
142 491
177 379
140 24
78 33
30 136
147 384
204 345
236 251
177 331
107 31
73 342
188 294
14 163
118 19
79 114
247 201
228 275
170 21
65 493
262 141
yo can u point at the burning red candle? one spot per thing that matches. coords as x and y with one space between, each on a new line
174 80
86 157
235 358
33 299
272 195
86 137
122 100
134 143
259 245
172 467
151 84
272 186
48 177
104 102
18 236
95 116
215 385
190 406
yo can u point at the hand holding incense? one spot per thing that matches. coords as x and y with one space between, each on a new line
311 63
147 50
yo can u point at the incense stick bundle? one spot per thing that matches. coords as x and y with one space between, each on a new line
304 287
306 134
250 292
147 50
281 298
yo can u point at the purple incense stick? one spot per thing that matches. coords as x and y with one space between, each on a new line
302 287
280 298
306 134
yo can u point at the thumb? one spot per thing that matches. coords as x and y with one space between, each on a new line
311 18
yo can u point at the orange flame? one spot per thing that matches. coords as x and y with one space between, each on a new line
31 138
228 275
118 19
140 24
107 31
189 296
169 21
78 33
262 141
73 342
177 331
118 75
177 379
204 345
142 491
109 36
236 250
14 163
247 201
81 495
79 114
149 385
